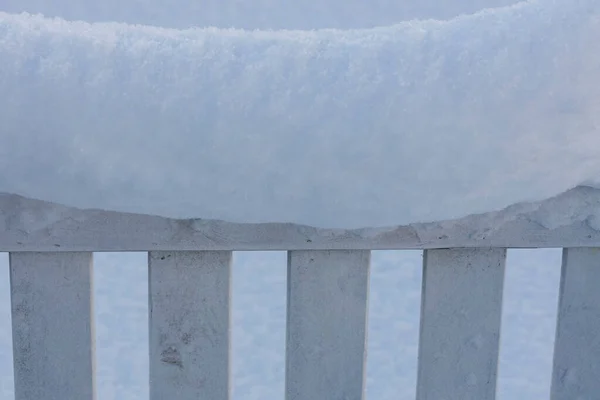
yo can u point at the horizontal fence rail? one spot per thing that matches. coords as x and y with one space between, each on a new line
33 225
327 301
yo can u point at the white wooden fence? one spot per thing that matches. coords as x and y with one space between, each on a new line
51 260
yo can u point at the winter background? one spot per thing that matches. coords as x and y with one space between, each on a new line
390 112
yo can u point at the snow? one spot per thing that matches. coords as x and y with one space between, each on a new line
253 14
403 123
330 128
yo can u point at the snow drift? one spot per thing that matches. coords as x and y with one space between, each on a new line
328 128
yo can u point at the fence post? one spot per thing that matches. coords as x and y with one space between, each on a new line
326 324
53 329
576 371
189 304
460 323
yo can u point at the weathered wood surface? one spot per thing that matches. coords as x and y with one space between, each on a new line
576 372
53 325
189 325
461 311
571 219
327 303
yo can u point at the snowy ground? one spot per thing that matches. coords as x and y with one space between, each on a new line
530 300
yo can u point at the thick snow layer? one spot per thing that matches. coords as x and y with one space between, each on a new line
252 14
417 121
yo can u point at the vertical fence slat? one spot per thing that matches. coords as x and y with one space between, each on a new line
326 324
53 329
576 372
189 300
461 311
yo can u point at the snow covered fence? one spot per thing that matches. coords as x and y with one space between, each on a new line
51 259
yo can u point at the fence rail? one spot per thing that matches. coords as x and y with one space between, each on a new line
51 259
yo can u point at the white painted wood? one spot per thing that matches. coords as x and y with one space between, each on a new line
460 324
576 372
53 326
31 225
189 325
326 324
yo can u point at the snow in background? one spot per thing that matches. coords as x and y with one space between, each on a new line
252 14
421 120
259 296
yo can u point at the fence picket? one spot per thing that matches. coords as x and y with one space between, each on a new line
460 323
576 371
189 308
326 324
53 329
189 264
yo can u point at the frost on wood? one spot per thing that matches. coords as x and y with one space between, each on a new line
570 219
